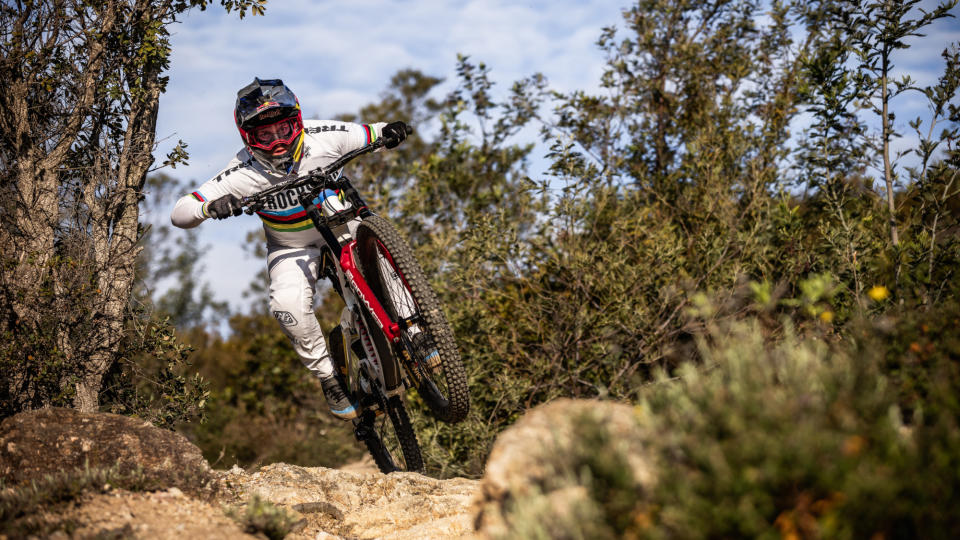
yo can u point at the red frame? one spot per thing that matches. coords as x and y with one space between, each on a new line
349 266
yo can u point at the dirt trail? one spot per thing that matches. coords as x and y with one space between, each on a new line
356 502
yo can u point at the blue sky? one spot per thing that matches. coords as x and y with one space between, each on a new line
338 56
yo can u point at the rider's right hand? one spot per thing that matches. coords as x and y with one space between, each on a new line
224 207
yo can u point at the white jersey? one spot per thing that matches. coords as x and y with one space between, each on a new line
284 220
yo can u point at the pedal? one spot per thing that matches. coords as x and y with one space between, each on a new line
363 426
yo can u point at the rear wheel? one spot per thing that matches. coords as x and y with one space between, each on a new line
384 427
432 360
390 438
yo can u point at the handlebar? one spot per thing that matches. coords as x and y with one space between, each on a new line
319 174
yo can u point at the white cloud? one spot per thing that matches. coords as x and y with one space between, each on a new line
338 56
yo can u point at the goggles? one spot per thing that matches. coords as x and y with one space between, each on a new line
269 136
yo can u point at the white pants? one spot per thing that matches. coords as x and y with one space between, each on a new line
293 285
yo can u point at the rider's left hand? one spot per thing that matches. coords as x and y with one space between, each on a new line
394 133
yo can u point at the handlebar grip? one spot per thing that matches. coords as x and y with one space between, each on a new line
408 128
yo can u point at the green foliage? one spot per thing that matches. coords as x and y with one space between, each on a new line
38 368
152 378
260 516
263 406
795 438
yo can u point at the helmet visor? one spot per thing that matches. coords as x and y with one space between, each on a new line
269 136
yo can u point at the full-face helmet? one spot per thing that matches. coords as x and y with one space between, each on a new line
268 117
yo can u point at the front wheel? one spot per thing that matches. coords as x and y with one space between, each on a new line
429 352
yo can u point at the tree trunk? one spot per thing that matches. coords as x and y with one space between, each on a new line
887 168
115 230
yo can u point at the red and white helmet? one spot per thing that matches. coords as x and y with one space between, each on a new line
268 117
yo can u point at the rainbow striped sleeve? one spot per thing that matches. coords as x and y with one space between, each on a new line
196 195
371 133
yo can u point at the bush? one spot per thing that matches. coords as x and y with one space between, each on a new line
262 516
802 437
153 377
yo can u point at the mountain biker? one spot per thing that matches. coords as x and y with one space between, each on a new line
278 145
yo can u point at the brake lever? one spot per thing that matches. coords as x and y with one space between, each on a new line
250 205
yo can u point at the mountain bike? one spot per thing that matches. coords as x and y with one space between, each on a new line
392 334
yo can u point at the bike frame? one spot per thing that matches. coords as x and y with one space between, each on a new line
363 291
345 273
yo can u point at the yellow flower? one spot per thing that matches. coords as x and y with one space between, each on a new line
878 293
853 445
827 316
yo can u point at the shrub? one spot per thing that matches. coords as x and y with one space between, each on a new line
152 377
262 516
802 437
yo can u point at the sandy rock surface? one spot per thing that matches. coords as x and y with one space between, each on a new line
354 502
159 515
347 504
326 504
531 452
357 502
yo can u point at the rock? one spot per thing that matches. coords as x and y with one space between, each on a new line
337 503
530 487
46 441
535 461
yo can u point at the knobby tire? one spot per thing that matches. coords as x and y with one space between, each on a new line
373 232
396 414
403 432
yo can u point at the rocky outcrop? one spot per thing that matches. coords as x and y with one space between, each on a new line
530 488
532 472
37 443
346 504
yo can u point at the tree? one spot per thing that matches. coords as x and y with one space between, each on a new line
77 117
877 30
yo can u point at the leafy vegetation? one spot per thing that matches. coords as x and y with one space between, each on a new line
726 235
19 505
803 437
263 517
